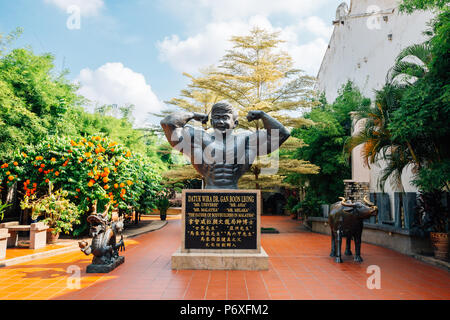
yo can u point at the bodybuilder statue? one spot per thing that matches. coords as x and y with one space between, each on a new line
222 156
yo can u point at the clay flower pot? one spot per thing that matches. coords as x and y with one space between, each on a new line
52 238
439 240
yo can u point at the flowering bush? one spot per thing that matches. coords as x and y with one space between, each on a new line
91 168
58 213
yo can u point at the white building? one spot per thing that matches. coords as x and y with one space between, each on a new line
366 40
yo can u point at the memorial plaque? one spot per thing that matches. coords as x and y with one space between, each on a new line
224 220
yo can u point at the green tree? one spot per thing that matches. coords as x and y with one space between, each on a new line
325 142
410 6
256 75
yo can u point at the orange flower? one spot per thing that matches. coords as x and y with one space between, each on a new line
90 160
116 185
53 159
78 190
91 174
70 151
56 173
80 159
105 179
46 180
40 170
8 173
15 163
129 182
112 149
90 144
106 187
5 165
122 185
11 178
117 163
87 154
73 143
24 154
42 165
123 191
91 183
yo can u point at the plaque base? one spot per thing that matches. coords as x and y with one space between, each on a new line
220 261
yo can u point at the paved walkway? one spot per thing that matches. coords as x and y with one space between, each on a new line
300 268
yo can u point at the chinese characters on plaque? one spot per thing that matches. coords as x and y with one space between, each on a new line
221 220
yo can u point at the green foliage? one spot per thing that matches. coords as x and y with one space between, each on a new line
324 144
310 206
291 203
33 101
3 207
410 6
57 211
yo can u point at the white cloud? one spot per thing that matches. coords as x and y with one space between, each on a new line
113 83
87 7
208 46
235 9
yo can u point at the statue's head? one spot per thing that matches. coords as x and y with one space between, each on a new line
223 117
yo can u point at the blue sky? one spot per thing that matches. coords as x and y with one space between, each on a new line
134 51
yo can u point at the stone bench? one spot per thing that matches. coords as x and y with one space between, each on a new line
38 234
3 239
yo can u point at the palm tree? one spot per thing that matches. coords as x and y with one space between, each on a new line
378 143
410 65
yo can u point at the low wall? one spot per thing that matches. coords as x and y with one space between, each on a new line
381 235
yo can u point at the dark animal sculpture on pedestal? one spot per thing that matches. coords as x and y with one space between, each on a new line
104 246
346 220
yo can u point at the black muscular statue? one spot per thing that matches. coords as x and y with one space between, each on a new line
222 157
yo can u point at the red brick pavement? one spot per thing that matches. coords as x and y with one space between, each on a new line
300 268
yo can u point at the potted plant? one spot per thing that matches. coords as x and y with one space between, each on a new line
291 206
163 204
55 210
433 218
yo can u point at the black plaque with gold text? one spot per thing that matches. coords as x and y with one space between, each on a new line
217 220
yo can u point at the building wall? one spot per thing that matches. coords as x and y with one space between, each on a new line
363 48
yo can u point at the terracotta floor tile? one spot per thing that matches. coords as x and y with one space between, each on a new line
300 269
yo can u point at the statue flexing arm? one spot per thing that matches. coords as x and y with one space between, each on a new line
274 135
176 130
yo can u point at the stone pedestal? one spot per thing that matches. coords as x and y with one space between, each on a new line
105 268
221 230
220 261
3 240
38 235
